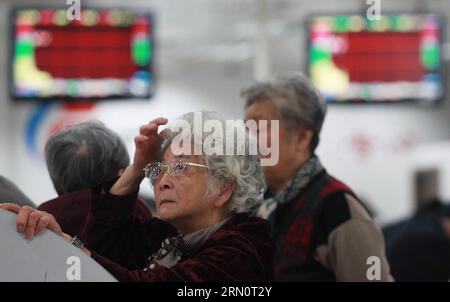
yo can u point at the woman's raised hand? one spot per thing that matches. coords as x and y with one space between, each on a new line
148 144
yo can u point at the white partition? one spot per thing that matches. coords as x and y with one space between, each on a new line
45 258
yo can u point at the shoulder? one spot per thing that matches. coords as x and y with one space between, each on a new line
9 192
6 186
77 199
4 181
246 224
339 209
339 201
245 231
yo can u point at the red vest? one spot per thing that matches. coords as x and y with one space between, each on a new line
298 230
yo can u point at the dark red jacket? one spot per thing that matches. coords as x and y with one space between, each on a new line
241 250
71 211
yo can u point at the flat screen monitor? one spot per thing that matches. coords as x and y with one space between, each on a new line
394 59
103 54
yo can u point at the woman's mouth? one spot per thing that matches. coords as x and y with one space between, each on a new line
165 201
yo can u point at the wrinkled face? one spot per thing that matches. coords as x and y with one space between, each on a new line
182 197
266 110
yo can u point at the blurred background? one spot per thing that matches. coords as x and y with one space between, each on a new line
390 143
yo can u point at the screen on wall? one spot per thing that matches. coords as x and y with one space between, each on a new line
106 54
393 59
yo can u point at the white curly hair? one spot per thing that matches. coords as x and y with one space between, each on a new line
241 167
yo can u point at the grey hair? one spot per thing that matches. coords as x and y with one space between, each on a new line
84 155
298 102
242 170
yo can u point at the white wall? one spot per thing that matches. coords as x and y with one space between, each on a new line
381 176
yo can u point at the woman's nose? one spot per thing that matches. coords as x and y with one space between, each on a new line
165 182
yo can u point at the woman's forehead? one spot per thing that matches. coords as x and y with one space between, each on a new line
169 156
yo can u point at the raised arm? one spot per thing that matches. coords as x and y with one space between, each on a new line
148 149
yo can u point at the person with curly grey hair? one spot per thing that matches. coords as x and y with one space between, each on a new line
205 197
322 232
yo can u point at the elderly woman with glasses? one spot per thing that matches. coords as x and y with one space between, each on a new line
205 230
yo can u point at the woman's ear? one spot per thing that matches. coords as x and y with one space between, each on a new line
304 139
225 193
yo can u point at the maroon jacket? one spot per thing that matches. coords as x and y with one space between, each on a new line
241 250
71 211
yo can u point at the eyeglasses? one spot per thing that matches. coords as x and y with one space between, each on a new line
174 168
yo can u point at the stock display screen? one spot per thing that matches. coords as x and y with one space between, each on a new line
105 54
396 58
